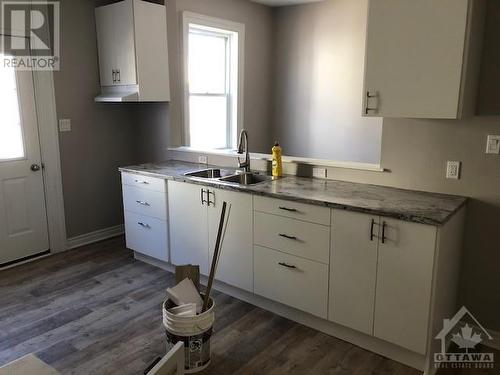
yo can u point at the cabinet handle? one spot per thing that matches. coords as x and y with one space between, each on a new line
119 75
383 232
368 97
147 226
287 236
208 197
141 182
114 75
371 230
143 203
287 265
203 201
288 209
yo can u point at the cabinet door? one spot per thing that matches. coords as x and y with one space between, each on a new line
404 282
116 45
105 43
413 59
236 258
353 269
124 44
188 225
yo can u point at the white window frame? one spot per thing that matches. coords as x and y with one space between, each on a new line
216 23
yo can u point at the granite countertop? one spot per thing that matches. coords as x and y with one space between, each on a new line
408 205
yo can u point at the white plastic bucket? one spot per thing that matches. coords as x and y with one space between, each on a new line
194 331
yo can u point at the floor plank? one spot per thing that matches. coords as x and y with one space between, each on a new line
96 310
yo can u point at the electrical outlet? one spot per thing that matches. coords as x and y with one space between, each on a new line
319 172
493 144
453 170
64 125
202 159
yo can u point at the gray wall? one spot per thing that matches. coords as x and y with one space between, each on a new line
103 136
318 67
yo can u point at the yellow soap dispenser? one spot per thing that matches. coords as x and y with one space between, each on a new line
277 161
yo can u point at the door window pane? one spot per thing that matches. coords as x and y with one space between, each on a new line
207 63
11 134
208 121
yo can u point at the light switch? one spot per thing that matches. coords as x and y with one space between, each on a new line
64 125
493 144
202 159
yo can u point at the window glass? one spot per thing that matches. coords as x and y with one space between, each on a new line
207 63
11 134
208 121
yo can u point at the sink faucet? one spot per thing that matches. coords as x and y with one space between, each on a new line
244 150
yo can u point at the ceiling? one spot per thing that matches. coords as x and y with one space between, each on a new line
278 3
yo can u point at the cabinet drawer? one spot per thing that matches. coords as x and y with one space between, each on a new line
145 202
300 283
307 240
294 210
144 182
146 235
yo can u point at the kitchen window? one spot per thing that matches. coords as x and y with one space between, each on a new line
213 82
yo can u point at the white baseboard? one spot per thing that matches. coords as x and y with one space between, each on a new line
98 235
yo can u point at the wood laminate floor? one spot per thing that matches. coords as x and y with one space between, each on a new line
96 310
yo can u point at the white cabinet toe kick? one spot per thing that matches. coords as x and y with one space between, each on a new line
374 281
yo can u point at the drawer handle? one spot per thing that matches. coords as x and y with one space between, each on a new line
141 182
289 209
383 232
143 203
147 226
288 237
287 265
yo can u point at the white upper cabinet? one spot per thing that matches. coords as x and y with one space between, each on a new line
133 51
422 58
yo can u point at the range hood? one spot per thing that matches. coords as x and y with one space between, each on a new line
118 94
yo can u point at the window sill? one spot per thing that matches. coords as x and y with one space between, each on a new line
286 159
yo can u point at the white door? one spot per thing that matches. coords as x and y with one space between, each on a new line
188 224
353 269
404 283
414 58
236 258
23 221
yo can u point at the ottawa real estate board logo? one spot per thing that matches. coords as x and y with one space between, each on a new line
30 35
460 339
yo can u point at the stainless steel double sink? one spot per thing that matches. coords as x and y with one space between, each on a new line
230 177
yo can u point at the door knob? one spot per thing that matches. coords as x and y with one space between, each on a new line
35 167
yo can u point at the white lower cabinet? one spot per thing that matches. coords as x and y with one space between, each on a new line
293 281
188 224
381 277
236 259
146 235
194 221
404 283
369 273
145 206
353 270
